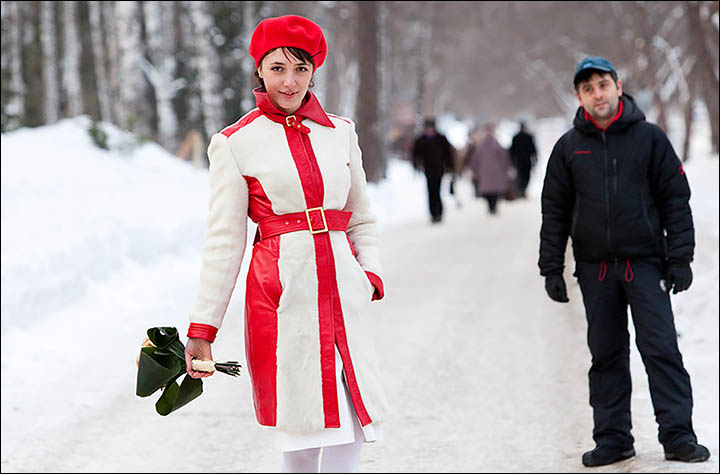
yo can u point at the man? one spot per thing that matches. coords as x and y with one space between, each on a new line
615 185
524 157
433 154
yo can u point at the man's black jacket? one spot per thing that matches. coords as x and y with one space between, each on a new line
433 154
620 193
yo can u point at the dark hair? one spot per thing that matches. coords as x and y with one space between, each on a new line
288 51
587 74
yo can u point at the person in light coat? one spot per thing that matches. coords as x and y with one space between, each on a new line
491 167
297 172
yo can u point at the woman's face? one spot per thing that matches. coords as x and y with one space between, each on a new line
286 79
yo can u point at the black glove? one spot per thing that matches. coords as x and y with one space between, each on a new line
678 277
555 287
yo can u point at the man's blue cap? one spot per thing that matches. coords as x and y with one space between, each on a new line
593 62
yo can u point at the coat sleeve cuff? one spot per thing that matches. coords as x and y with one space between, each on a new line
378 284
203 331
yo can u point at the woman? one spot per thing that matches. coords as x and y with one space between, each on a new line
297 172
491 167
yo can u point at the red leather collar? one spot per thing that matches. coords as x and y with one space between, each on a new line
310 108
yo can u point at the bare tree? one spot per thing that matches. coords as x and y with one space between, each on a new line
704 35
160 70
208 67
135 110
98 51
14 108
50 74
367 104
110 27
71 60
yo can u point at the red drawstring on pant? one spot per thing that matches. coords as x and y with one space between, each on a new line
628 272
603 271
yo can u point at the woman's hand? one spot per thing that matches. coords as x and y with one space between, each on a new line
197 348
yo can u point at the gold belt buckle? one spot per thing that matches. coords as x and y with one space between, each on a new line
310 227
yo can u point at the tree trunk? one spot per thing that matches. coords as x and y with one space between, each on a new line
161 69
71 60
688 116
113 59
367 102
208 69
14 109
707 66
385 121
250 21
134 107
51 100
98 52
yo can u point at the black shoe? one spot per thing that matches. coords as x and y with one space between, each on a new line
688 451
602 455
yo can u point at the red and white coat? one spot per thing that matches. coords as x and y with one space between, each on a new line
305 293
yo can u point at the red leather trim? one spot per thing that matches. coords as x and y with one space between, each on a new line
378 284
248 119
202 331
259 205
262 296
341 338
340 118
313 189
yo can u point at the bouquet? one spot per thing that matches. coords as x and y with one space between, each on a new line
162 361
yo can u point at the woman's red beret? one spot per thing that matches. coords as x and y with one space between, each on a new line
288 31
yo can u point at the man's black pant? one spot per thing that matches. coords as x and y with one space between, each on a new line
607 290
436 207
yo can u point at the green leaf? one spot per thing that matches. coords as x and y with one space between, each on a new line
166 402
155 371
190 389
175 396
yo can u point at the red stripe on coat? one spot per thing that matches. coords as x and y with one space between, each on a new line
313 189
246 120
261 327
259 205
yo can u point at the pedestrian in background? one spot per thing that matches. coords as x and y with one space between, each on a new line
490 165
297 172
524 156
433 154
614 184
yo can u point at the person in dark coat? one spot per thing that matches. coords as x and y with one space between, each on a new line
524 157
615 185
433 154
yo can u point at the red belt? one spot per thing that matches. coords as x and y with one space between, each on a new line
316 220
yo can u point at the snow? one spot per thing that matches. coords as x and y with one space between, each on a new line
98 246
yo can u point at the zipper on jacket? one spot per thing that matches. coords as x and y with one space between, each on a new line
608 195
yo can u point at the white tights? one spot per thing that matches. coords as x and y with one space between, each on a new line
340 458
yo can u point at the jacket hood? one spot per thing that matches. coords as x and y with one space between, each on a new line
630 115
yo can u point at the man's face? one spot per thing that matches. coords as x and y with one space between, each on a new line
599 96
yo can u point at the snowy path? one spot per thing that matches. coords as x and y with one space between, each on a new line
483 371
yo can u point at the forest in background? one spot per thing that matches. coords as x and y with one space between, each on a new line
165 70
